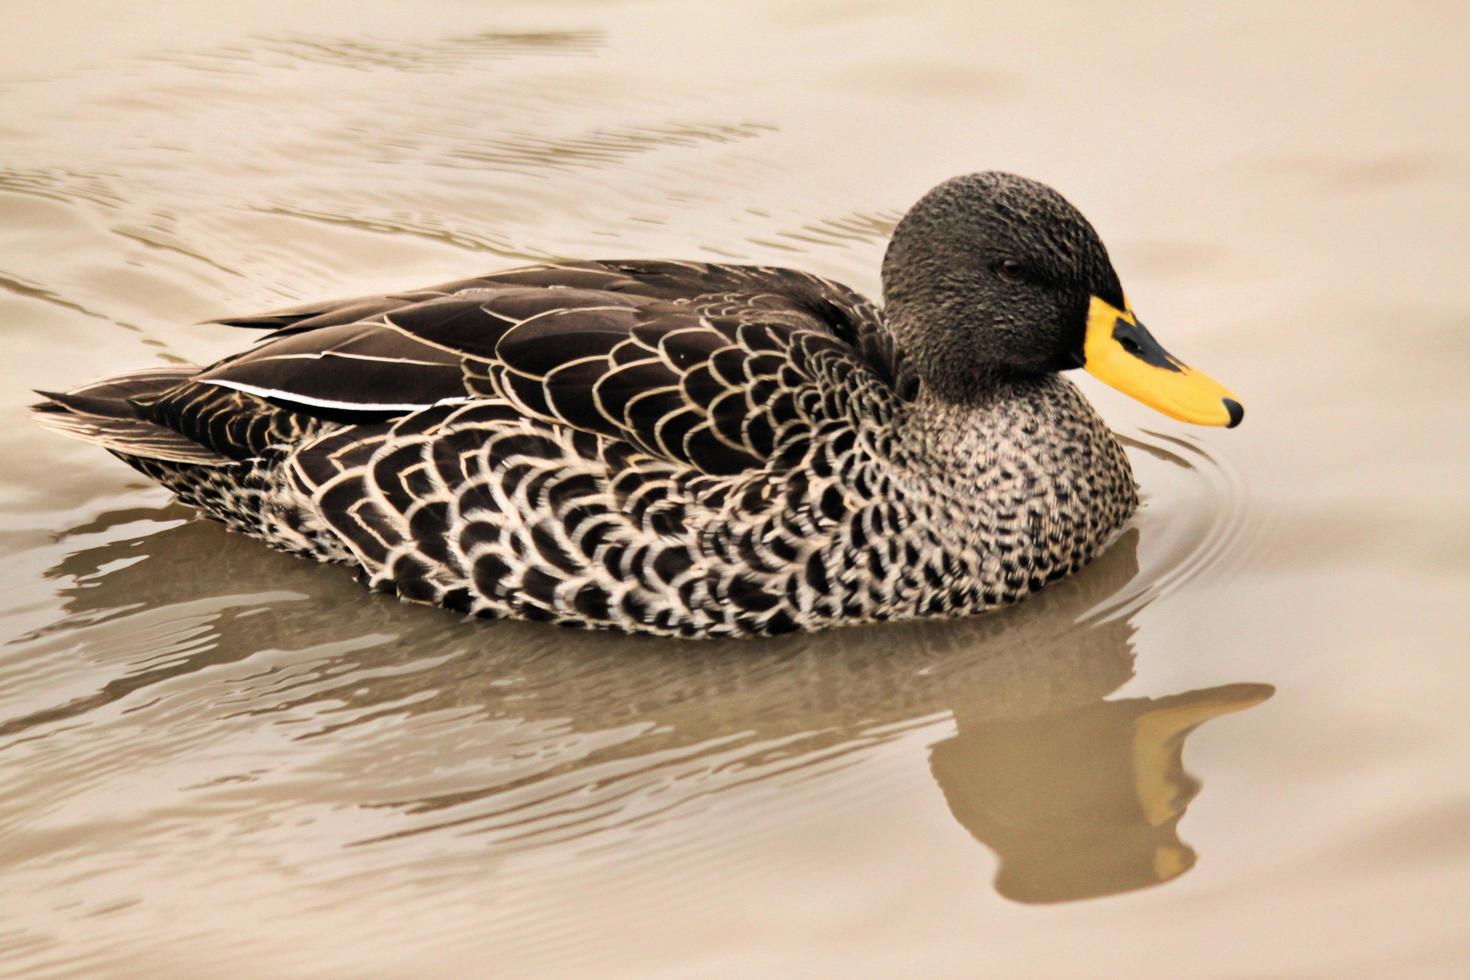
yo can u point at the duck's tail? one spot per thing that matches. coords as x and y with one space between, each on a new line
105 413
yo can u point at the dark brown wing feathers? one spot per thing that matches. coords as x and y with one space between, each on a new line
693 362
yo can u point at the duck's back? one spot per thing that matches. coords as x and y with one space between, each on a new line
668 447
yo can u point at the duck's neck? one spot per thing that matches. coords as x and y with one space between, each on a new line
954 373
997 418
1027 468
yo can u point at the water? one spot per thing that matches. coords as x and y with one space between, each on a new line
1233 746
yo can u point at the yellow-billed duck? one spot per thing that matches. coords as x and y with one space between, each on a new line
685 448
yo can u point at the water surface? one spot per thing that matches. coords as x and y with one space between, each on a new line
1235 745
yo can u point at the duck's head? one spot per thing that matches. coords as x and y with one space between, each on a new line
992 275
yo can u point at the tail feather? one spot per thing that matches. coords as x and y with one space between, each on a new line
300 319
102 413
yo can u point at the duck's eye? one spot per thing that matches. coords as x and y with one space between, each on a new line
1010 270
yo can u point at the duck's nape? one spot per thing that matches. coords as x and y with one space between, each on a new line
992 275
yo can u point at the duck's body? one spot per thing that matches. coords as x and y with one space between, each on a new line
675 448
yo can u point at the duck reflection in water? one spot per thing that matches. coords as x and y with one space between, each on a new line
1078 796
1084 802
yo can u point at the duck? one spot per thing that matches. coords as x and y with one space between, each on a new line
685 448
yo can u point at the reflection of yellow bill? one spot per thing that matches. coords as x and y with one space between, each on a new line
1158 737
1120 352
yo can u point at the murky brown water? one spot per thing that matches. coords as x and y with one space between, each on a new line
1236 745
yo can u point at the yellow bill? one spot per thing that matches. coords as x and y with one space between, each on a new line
1120 352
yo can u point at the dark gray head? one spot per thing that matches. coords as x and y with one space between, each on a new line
990 275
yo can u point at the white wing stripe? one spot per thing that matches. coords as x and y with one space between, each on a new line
260 391
348 354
